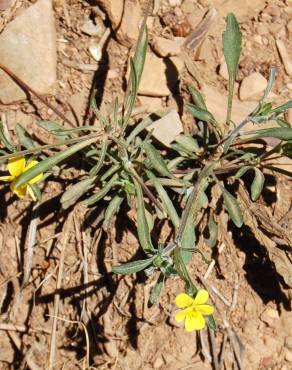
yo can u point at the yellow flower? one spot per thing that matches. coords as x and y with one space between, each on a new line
193 310
16 167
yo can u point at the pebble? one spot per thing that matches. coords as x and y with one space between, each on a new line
5 4
252 86
223 71
288 356
174 2
91 29
158 363
160 75
96 52
31 55
167 128
262 29
284 56
165 47
270 316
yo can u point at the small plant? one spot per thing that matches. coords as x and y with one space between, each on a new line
182 187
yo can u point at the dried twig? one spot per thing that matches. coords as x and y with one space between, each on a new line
64 241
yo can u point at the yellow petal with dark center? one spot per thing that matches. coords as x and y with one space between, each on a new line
201 297
194 321
20 192
205 309
16 166
181 315
38 177
183 300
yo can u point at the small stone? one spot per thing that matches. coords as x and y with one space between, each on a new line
258 39
90 28
284 56
288 356
288 342
96 52
174 2
160 75
262 29
165 47
158 363
223 71
112 74
114 11
252 86
270 316
31 55
206 51
166 128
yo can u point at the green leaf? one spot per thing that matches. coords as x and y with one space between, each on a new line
24 137
156 290
102 192
166 201
95 169
232 207
54 128
73 193
132 267
112 209
189 143
183 271
48 163
197 98
269 85
188 241
142 225
241 171
283 108
282 133
212 231
282 122
5 141
156 160
232 38
210 321
199 113
257 184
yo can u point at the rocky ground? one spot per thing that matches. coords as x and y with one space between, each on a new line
61 50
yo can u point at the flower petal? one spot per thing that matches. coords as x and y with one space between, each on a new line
181 315
20 192
16 166
201 297
38 177
205 309
6 178
183 300
194 321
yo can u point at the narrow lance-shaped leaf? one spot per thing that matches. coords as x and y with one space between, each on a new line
232 47
142 225
4 140
232 207
112 209
197 98
257 184
283 108
73 193
156 160
171 211
50 162
24 137
103 191
282 133
212 229
132 267
156 290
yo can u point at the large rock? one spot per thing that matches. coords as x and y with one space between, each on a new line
28 48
